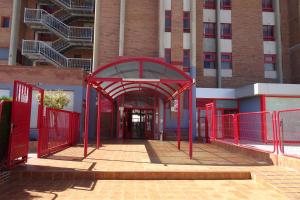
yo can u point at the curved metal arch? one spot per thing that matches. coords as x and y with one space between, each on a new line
141 60
151 84
136 89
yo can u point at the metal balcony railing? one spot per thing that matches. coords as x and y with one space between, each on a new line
44 50
85 5
71 33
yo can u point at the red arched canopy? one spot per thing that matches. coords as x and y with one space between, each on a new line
130 74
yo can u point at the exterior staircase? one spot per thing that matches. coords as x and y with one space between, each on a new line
41 19
43 52
76 5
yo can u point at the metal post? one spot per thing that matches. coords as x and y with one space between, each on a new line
165 118
97 30
122 27
87 117
191 123
112 120
99 120
178 124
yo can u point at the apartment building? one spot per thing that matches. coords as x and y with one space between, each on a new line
225 46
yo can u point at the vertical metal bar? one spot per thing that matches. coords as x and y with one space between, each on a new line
165 120
178 124
112 120
99 120
191 123
87 119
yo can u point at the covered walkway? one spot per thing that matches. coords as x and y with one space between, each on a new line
133 95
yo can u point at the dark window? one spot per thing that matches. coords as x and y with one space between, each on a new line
226 4
210 60
168 55
226 61
5 22
77 56
210 4
268 33
186 58
168 21
4 53
270 62
226 31
186 22
209 30
267 5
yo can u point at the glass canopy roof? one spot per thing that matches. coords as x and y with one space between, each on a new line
138 74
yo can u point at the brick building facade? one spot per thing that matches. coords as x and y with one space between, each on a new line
219 43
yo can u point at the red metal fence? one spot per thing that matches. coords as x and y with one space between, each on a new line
288 123
271 132
60 129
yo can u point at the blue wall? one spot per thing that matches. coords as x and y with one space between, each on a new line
251 104
78 97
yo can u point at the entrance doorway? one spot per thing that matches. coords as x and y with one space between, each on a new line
139 123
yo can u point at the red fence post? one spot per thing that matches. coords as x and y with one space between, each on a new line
87 118
178 123
236 129
99 120
190 123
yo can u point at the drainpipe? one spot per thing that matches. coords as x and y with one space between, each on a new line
97 31
278 41
219 64
14 35
122 27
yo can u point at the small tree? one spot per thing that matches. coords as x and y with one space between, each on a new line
56 100
4 98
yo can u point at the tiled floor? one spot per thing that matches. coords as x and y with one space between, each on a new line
148 156
158 156
231 190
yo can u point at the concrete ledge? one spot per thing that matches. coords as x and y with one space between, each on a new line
261 156
125 175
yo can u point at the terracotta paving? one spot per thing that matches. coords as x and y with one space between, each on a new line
269 181
118 189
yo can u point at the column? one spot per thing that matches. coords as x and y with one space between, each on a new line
278 41
219 65
14 36
161 28
122 27
97 31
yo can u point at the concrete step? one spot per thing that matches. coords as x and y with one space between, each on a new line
131 175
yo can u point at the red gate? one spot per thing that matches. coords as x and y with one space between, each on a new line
20 124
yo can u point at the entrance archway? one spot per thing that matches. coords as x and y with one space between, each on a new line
145 77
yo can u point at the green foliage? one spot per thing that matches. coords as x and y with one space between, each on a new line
5 98
56 99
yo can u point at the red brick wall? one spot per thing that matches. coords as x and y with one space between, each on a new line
45 75
177 31
110 26
5 11
141 28
294 28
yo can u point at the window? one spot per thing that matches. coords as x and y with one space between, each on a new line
168 55
168 20
226 4
209 30
270 62
4 53
226 61
268 33
267 5
186 58
210 4
210 60
186 22
226 31
5 22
